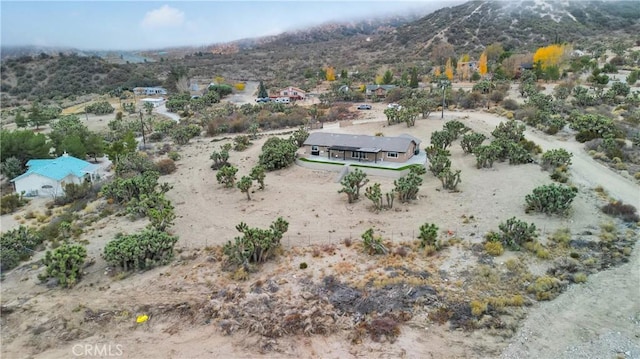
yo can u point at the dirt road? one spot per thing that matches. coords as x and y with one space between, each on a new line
600 319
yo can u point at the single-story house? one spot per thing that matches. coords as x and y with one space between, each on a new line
47 177
293 93
154 101
379 91
149 91
361 147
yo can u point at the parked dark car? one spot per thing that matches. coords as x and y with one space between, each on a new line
263 99
364 107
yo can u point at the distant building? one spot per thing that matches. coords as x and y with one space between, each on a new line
379 91
149 91
293 93
154 101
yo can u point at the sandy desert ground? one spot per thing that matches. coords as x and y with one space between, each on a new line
598 319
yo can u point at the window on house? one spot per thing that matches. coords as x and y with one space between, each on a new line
314 148
355 154
392 154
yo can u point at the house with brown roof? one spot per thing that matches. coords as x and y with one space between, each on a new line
378 91
361 148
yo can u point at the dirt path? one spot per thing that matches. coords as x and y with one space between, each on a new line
600 319
584 170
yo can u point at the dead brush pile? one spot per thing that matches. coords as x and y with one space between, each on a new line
272 315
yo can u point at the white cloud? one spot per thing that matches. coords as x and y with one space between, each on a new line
165 16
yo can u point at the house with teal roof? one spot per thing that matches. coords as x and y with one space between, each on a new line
47 177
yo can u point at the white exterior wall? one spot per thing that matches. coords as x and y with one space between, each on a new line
33 184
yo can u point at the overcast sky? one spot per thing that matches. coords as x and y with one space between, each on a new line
129 25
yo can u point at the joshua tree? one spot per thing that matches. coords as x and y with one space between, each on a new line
351 184
244 185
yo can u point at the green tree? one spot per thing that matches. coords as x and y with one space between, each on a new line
262 91
23 145
300 136
65 128
11 168
220 158
428 235
20 120
73 145
36 116
387 78
407 186
258 174
244 185
351 184
413 81
94 144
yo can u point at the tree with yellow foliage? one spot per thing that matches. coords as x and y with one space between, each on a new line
219 80
239 86
551 55
482 64
462 68
448 69
330 73
437 72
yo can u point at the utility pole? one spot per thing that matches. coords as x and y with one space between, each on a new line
144 140
444 84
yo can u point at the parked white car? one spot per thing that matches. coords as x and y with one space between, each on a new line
283 100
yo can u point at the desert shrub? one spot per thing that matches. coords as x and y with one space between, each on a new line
486 155
509 130
220 158
100 108
517 154
18 245
133 164
555 158
182 134
65 264
560 174
546 288
514 232
407 187
277 153
166 166
241 143
74 192
156 137
510 104
471 141
227 176
142 250
551 199
450 179
255 245
428 235
590 126
122 190
626 212
373 244
494 248
12 202
478 308
174 155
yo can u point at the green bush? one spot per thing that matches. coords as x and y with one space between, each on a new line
100 108
486 155
517 154
509 130
227 176
18 245
455 128
142 250
551 199
65 263
514 232
277 153
556 158
439 164
471 141
442 139
428 235
11 202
